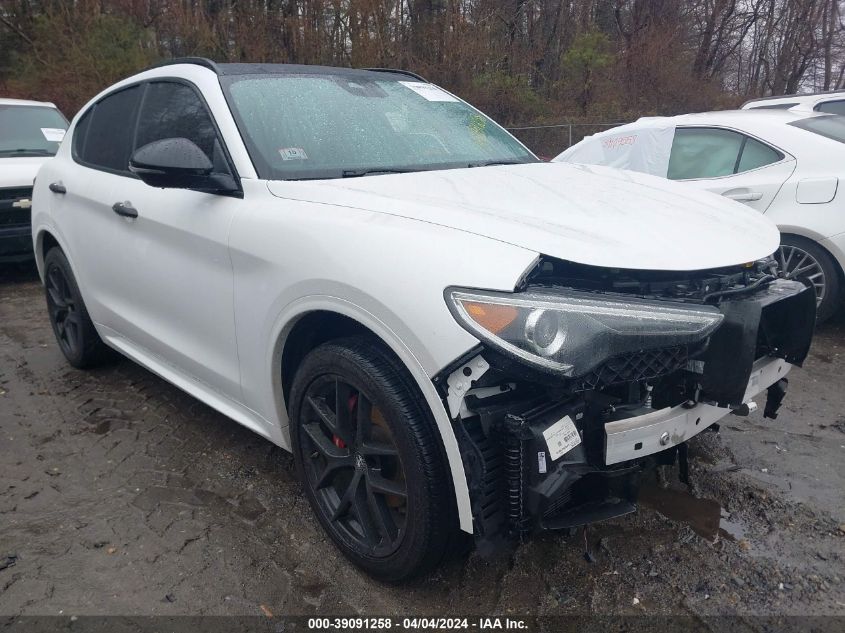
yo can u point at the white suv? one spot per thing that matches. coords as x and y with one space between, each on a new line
446 332
30 133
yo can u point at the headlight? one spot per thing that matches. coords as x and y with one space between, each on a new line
571 332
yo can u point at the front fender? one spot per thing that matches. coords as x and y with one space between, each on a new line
388 273
288 318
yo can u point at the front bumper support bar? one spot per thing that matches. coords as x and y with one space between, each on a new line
644 435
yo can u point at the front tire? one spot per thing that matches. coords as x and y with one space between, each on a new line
804 260
75 333
370 459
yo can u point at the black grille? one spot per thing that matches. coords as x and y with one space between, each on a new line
11 215
558 501
15 193
648 284
635 366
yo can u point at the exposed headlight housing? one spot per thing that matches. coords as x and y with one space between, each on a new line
571 332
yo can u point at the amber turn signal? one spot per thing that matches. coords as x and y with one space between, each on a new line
492 317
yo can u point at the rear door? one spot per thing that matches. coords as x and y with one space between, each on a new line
729 163
81 195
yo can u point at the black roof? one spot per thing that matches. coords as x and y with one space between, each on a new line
224 69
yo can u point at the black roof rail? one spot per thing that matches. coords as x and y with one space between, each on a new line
197 61
399 72
221 70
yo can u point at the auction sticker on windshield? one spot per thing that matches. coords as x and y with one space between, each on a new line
293 153
561 437
429 92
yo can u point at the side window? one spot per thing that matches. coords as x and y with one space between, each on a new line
755 154
80 133
174 110
107 140
703 153
714 152
832 107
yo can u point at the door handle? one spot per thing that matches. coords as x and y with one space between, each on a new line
125 209
744 196
57 187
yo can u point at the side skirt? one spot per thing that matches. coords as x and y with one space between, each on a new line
196 388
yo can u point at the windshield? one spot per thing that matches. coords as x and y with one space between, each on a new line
30 130
831 126
304 126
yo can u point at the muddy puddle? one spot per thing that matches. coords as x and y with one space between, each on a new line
706 517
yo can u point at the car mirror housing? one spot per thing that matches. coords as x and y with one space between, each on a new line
177 163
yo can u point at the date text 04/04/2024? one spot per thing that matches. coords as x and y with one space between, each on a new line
418 623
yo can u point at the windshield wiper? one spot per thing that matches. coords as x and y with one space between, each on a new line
372 171
355 173
490 163
24 151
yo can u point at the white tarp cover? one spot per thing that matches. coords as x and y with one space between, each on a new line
642 146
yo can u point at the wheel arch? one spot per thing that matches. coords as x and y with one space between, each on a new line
315 323
307 332
800 231
44 241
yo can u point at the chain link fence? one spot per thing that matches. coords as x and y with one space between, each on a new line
548 141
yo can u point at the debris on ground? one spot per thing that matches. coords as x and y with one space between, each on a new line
8 561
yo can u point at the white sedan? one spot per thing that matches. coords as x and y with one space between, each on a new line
787 164
447 333
831 102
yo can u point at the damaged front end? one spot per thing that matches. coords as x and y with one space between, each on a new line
588 377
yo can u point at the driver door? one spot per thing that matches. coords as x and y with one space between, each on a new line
175 286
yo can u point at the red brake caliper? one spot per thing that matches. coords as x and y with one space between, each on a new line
353 400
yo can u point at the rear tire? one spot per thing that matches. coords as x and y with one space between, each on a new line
802 259
400 518
75 333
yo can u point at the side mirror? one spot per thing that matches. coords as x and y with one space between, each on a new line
177 163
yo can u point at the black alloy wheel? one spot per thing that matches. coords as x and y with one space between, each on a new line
75 332
353 465
63 312
371 460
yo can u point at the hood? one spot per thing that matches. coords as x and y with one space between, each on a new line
20 172
586 214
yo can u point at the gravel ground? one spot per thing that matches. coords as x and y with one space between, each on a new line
119 494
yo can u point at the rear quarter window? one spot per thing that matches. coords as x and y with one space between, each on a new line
756 154
80 132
